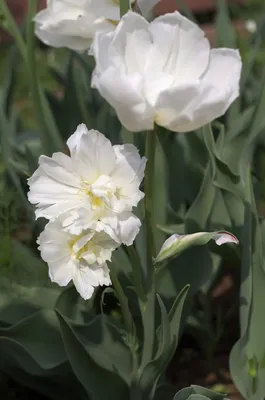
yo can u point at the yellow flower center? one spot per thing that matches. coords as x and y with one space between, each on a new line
95 200
78 254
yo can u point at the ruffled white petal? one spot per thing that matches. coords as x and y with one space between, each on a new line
128 227
81 258
129 166
92 151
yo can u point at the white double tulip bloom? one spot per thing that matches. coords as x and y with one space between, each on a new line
167 74
96 188
78 258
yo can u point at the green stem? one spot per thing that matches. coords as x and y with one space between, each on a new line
81 99
126 314
51 138
148 189
137 272
129 324
14 30
148 307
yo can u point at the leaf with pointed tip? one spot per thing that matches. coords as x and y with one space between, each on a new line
34 343
192 393
87 370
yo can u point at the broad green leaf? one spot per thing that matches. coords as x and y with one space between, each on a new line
179 228
199 212
57 387
248 354
34 343
194 391
88 372
167 337
70 304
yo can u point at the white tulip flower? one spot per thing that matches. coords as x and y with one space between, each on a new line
72 23
164 72
96 187
80 258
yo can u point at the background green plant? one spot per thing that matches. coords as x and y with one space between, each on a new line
62 346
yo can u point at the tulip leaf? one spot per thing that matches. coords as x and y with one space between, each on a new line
199 212
167 339
70 304
225 31
165 336
82 359
54 388
248 354
194 391
175 314
18 342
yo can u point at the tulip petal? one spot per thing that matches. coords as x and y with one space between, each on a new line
216 93
106 8
130 165
176 244
129 226
69 24
176 42
81 280
167 73
126 98
93 150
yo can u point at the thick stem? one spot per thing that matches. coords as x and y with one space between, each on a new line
148 189
137 272
148 307
126 314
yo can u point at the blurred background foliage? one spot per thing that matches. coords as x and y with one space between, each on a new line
204 177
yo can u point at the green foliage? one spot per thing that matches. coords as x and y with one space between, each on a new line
198 393
64 347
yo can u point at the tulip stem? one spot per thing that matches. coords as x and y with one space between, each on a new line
14 30
148 189
51 138
137 272
125 311
148 307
